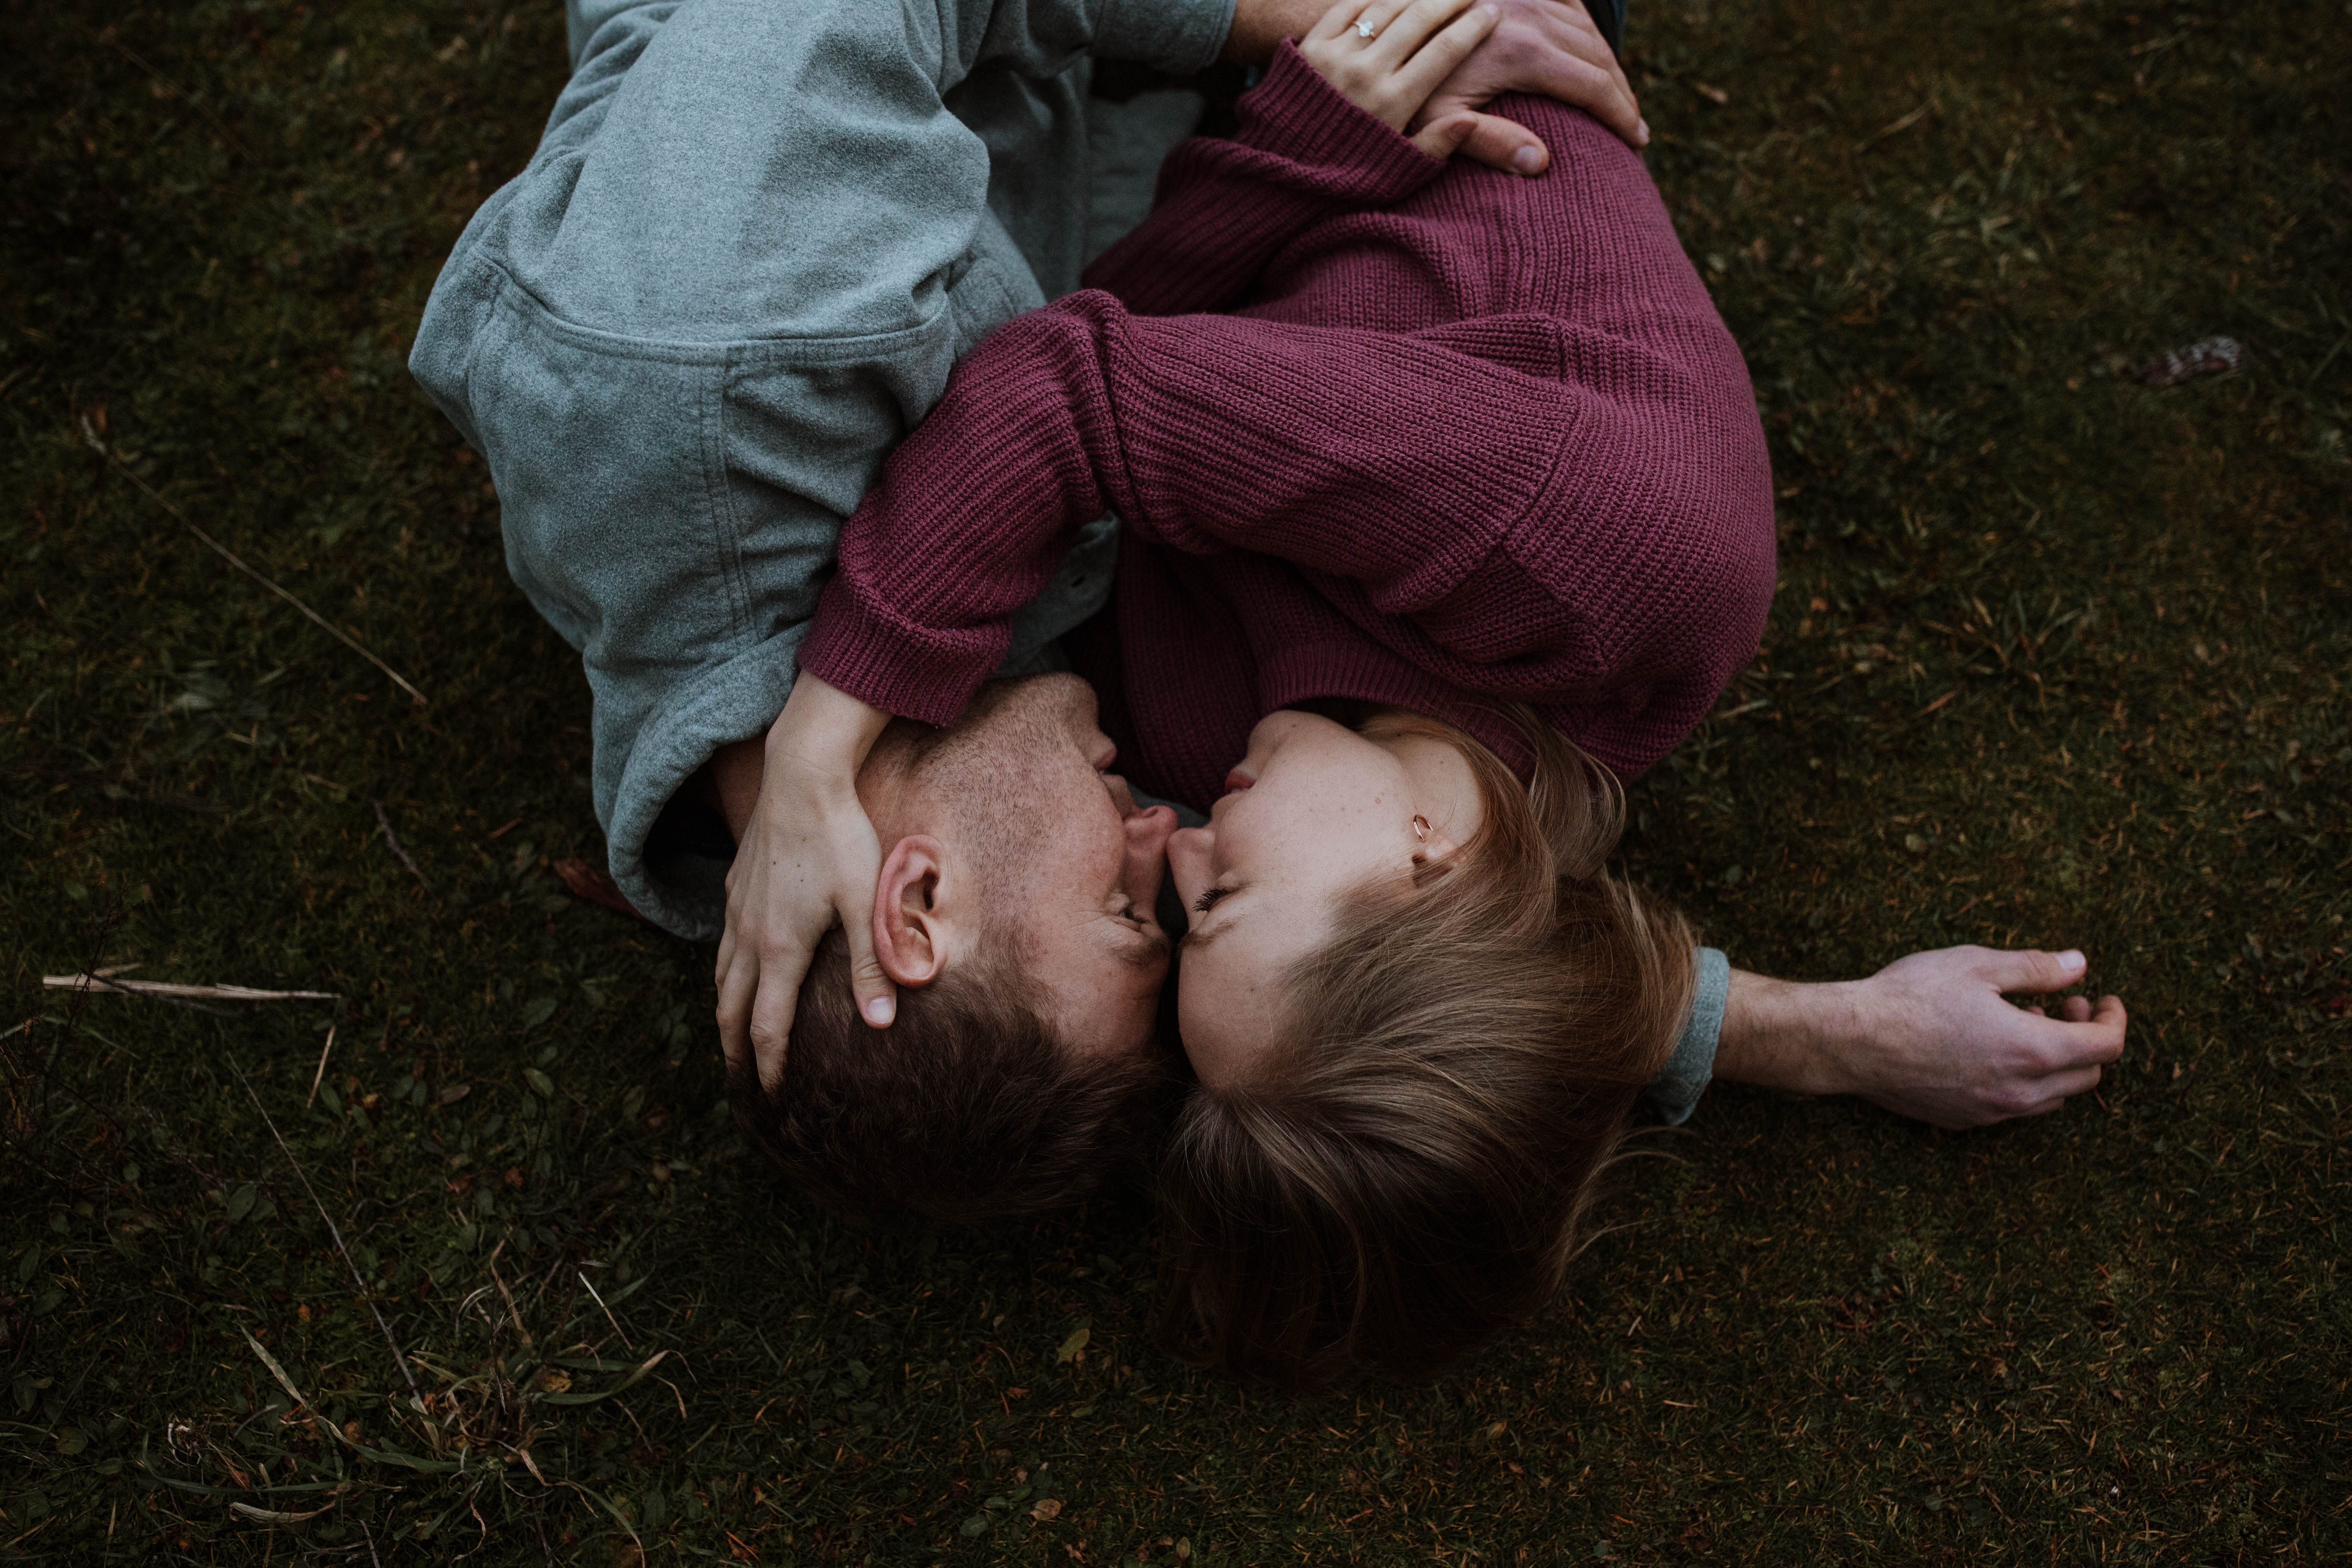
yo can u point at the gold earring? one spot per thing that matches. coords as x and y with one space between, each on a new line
1421 828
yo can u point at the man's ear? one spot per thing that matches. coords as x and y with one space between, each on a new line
910 939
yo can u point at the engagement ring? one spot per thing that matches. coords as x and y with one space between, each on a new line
1363 29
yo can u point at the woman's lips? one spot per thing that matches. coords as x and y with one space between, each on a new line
1237 781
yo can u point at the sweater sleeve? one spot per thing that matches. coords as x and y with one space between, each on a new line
1223 207
1390 466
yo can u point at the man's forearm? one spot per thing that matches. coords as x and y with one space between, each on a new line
1778 1034
1931 1035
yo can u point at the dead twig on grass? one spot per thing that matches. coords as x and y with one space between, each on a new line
217 548
84 984
393 839
164 991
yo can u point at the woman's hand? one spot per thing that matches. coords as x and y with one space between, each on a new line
808 856
1387 57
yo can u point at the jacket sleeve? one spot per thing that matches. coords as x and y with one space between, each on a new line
1223 208
1040 38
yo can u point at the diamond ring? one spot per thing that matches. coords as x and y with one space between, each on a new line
1364 29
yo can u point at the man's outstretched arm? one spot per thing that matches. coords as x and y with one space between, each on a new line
1930 1036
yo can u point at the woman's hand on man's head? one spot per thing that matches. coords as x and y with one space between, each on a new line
1932 1036
805 857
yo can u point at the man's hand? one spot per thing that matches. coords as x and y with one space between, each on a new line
1552 48
806 856
1929 1036
1549 47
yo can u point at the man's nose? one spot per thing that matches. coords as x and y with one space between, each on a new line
1149 829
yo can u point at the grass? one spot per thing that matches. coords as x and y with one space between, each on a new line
2058 659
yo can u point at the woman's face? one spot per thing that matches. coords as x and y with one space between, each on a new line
1314 812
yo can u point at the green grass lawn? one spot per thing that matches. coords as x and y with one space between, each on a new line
2058 659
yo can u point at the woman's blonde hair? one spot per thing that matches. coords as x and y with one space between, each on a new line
1402 1177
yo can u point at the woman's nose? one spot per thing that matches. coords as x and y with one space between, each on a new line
1188 851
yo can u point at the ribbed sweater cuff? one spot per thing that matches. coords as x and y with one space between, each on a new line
1295 114
858 647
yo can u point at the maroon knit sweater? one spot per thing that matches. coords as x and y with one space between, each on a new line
1379 428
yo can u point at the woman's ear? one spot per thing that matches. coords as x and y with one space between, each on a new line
908 938
1434 859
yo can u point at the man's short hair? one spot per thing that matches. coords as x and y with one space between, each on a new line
968 1108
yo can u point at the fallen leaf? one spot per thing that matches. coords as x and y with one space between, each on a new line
1074 1343
2207 356
1047 1509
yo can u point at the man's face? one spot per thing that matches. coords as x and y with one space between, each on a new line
1059 853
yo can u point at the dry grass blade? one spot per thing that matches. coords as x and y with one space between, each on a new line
393 839
320 1076
273 1516
507 1295
608 1314
230 556
358 1279
162 989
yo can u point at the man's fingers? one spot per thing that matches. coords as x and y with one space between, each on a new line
2034 971
2109 1023
2083 1038
2045 1095
1576 67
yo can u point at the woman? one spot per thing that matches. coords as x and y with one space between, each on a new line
1446 502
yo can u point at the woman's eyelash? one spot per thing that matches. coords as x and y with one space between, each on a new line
1208 900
